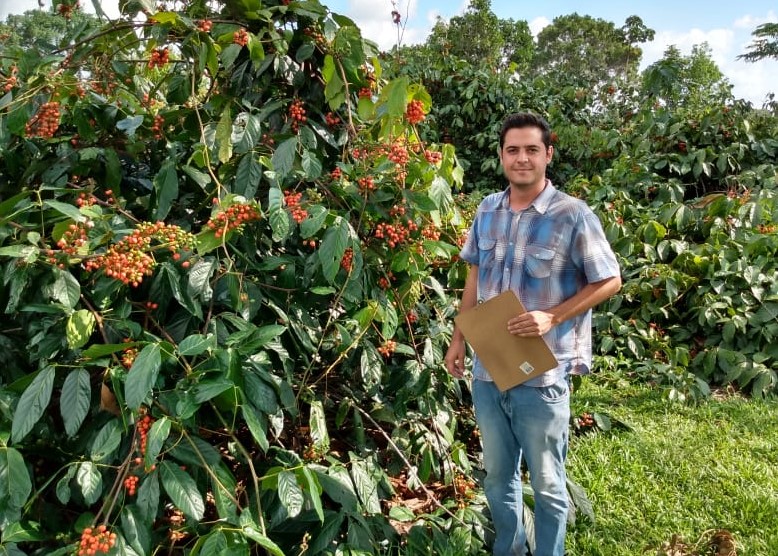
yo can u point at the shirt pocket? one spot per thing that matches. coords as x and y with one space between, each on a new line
490 252
539 261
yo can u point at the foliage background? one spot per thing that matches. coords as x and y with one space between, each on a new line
270 378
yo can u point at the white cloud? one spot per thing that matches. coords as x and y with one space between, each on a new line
538 24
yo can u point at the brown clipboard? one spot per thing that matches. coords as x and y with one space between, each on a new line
509 360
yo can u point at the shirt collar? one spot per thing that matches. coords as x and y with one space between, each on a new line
541 202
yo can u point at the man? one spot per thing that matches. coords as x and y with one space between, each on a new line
549 248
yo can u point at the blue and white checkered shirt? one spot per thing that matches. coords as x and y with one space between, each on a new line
545 253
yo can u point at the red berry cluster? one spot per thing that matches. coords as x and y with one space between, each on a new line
399 154
144 426
414 113
297 114
233 218
159 58
240 37
359 154
131 484
292 200
45 122
85 200
129 259
156 128
585 422
268 140
348 259
430 232
385 282
74 237
433 157
412 317
366 184
336 174
388 347
396 234
365 92
204 25
96 541
11 81
331 119
316 34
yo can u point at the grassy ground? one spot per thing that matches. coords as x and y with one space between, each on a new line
677 470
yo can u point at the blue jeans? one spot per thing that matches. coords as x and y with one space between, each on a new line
534 423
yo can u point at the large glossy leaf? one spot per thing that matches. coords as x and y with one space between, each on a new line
182 490
15 484
166 188
142 375
75 400
32 404
252 531
224 135
79 328
248 175
290 493
106 441
334 244
318 427
257 424
136 532
155 439
366 486
90 481
197 344
147 499
283 158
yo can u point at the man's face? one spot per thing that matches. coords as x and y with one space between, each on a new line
524 157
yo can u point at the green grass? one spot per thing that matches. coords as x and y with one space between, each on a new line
678 470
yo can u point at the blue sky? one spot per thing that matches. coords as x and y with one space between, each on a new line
725 25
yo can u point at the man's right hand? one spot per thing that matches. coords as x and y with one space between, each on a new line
455 358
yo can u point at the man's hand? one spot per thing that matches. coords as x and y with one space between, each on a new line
455 358
531 324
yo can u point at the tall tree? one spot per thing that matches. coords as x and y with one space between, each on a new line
764 45
692 82
43 30
582 50
480 37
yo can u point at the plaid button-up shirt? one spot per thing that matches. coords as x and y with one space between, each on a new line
545 253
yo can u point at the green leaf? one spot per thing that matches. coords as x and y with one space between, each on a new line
280 223
366 486
290 493
200 277
311 165
317 215
248 176
157 435
259 393
251 530
337 484
257 424
22 532
224 135
79 328
332 248
75 400
370 366
197 344
27 252
65 289
32 404
318 427
62 489
136 533
283 158
182 490
223 486
67 209
148 496
106 441
142 375
166 188
313 489
200 178
130 125
91 482
328 533
101 350
15 484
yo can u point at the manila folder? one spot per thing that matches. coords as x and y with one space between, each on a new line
509 359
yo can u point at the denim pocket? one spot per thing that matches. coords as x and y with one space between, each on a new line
555 392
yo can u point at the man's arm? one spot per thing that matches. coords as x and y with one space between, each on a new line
455 356
537 323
